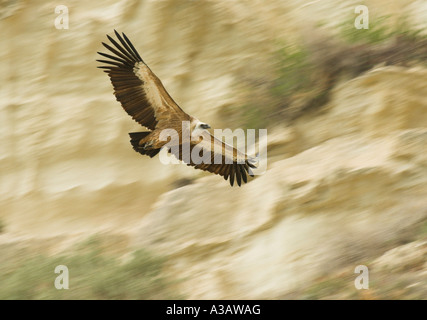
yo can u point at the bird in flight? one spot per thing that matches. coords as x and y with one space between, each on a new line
143 96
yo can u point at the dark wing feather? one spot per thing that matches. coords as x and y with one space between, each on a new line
136 87
234 165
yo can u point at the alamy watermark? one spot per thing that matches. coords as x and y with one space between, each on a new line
200 147
362 280
61 21
362 20
62 281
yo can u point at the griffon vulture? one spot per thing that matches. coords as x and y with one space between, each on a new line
144 98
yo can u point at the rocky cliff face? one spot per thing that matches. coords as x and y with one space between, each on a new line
357 190
342 187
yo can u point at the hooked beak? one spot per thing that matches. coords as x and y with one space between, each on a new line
205 126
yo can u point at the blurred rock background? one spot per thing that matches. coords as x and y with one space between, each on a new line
346 113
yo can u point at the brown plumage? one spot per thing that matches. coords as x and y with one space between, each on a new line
144 98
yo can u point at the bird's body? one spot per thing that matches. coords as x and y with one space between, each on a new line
144 98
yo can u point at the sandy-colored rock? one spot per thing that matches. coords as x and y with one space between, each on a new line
375 104
65 161
333 205
403 257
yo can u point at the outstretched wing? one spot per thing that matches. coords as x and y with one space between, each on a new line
213 155
136 87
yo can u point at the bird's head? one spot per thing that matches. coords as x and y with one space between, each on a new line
197 128
199 125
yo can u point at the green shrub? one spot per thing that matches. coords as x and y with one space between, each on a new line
304 75
93 274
